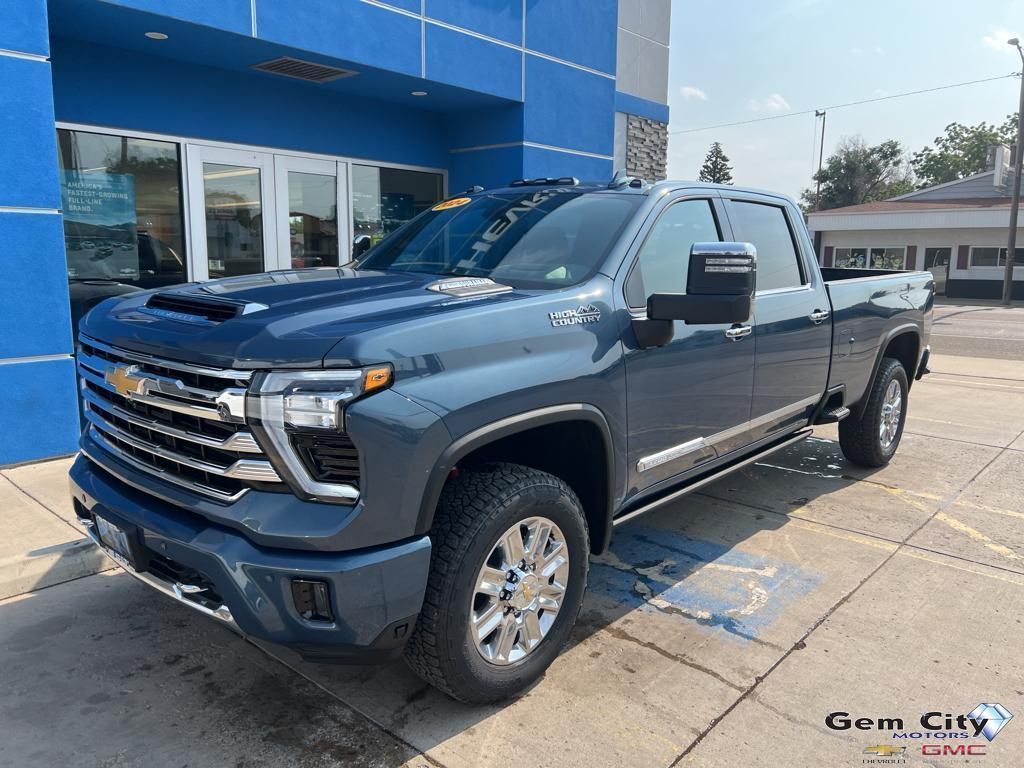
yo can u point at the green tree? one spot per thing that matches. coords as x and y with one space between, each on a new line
716 168
961 151
857 173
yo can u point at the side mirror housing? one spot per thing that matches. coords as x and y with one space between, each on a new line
719 289
360 245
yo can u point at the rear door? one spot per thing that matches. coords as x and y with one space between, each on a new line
792 325
688 397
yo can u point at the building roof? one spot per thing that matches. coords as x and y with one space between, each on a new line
897 206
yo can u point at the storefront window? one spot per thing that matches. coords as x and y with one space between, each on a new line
121 199
383 199
875 258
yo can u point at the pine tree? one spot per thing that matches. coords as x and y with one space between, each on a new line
716 168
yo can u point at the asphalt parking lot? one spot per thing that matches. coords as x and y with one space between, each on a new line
718 631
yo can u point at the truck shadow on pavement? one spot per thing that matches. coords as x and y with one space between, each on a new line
687 573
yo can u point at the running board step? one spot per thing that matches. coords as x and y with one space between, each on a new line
712 477
836 414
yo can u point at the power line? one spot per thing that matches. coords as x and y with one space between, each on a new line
847 104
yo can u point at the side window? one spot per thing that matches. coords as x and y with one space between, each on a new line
778 265
665 255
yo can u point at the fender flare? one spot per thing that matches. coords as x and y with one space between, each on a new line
899 330
489 433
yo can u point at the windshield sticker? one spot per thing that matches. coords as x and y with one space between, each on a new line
453 203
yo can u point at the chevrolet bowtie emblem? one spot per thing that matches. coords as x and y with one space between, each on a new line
884 750
125 379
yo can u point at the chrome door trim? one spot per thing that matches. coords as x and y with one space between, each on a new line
678 451
670 454
738 332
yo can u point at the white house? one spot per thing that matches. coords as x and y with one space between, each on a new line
958 230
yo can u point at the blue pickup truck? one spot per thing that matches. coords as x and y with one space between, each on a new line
416 453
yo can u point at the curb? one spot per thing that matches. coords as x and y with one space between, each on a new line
49 566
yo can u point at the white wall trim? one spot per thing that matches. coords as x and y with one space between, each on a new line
21 55
534 144
565 63
579 152
34 359
135 134
644 37
19 209
944 218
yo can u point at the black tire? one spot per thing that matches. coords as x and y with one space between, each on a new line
860 438
474 511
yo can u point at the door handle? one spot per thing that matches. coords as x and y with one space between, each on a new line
738 332
819 316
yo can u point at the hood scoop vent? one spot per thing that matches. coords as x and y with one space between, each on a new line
463 287
309 71
191 309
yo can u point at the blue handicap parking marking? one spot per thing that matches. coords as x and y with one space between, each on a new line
700 581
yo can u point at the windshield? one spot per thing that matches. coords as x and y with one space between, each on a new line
538 238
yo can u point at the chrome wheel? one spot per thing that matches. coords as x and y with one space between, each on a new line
892 412
519 591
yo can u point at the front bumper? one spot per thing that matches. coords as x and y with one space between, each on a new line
375 594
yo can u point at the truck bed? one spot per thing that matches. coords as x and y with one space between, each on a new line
869 308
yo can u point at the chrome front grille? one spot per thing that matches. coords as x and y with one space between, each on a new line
180 422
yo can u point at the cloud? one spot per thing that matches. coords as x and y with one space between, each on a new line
996 39
773 102
692 92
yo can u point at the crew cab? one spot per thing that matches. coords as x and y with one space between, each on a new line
416 453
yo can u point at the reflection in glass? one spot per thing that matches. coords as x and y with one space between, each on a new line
313 219
121 199
234 219
383 199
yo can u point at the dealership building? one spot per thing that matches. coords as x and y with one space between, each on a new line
145 143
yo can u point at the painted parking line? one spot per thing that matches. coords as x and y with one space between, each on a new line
693 580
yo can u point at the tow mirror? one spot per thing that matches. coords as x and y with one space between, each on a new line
719 289
360 245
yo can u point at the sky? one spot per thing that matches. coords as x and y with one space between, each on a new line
733 60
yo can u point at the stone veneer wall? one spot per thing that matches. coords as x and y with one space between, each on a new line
646 148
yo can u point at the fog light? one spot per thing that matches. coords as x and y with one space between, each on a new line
312 599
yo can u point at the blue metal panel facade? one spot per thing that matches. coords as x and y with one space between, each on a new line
35 334
514 88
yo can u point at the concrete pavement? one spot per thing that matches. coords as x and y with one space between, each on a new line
40 543
718 631
978 329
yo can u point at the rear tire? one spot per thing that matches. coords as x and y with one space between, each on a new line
479 518
872 439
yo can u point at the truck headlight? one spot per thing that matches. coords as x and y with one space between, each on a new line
288 408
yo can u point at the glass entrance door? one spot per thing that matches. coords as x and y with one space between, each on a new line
313 228
256 211
231 212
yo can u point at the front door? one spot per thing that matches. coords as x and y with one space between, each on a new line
232 212
692 396
936 261
256 211
313 229
792 329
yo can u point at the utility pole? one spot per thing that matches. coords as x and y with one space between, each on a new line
821 154
1011 247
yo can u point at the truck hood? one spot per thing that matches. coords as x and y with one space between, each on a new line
287 319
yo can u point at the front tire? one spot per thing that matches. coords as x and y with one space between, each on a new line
872 439
508 570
